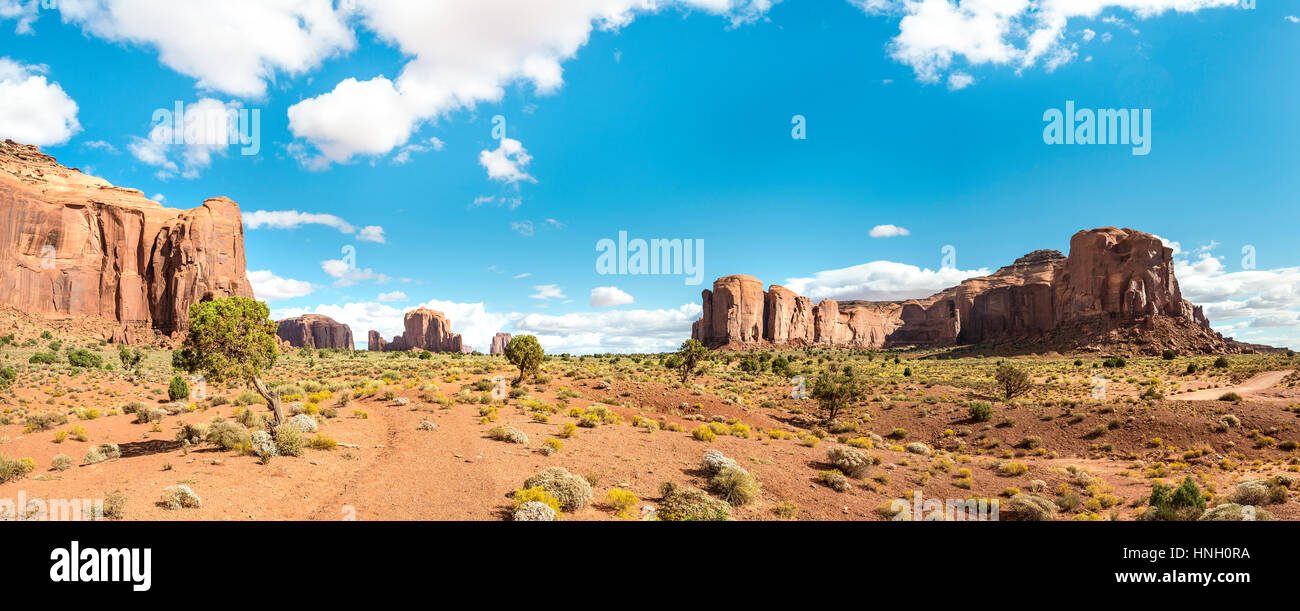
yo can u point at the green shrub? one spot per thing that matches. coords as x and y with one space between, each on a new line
85 358
981 411
178 389
1169 504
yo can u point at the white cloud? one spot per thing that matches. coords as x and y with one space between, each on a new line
101 145
404 154
1292 18
1235 301
548 291
270 287
293 219
32 109
611 330
356 118
501 201
507 162
575 333
523 275
208 126
371 233
461 54
933 34
525 228
879 281
24 11
604 296
960 80
888 231
393 296
345 274
234 47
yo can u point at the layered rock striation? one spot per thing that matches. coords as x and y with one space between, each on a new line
75 245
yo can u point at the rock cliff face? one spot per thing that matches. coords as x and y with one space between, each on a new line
314 331
1116 287
426 330
499 343
75 245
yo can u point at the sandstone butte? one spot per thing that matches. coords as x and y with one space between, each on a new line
314 331
1116 290
499 342
425 330
73 245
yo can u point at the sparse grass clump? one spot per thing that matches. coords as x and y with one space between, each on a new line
508 434
686 504
11 469
572 491
228 435
851 462
835 480
736 485
289 441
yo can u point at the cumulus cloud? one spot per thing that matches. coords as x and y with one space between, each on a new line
234 47
393 296
462 54
293 219
619 331
270 287
1237 301
879 281
507 162
934 34
34 110
605 296
888 231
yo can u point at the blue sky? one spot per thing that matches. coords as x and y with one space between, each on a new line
379 184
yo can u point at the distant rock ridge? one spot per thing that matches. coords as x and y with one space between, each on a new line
425 330
314 331
1117 286
75 245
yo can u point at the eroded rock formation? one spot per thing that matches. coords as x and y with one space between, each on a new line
75 245
425 329
1117 286
499 343
314 331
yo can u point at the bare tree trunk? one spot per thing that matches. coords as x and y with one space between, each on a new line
272 400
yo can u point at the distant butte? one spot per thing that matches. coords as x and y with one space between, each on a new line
1116 290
